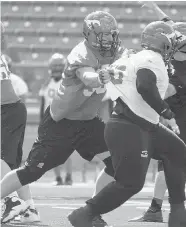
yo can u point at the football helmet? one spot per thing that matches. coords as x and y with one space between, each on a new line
101 32
161 37
56 66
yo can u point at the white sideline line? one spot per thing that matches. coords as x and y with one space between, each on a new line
66 208
128 203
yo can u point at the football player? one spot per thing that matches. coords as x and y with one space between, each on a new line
13 122
19 85
176 98
70 122
56 67
139 89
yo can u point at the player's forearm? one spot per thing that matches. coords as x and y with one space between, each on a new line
160 13
171 90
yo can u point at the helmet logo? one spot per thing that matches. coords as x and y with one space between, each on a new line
92 23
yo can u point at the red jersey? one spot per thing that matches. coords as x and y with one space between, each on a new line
74 100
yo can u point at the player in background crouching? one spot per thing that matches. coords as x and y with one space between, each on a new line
176 98
13 122
56 67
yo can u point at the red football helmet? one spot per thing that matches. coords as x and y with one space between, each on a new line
101 32
161 37
56 66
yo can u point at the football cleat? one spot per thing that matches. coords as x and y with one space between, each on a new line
99 222
59 181
13 206
30 216
149 216
83 217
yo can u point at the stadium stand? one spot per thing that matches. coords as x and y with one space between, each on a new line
37 29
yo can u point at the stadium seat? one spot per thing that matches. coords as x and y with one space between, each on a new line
34 56
35 29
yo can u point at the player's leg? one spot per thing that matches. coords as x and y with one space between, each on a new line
172 150
13 127
24 193
106 174
42 156
68 170
95 145
154 213
127 158
58 178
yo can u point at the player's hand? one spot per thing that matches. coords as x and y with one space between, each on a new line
172 124
163 121
148 4
104 76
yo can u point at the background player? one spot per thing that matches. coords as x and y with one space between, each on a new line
19 85
47 92
177 103
140 89
71 122
13 122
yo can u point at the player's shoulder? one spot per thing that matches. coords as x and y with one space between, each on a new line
80 54
148 59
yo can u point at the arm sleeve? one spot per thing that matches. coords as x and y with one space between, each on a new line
147 88
89 77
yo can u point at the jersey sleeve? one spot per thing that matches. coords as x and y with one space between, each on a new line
80 57
19 85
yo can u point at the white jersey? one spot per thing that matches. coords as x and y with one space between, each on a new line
127 89
19 85
48 92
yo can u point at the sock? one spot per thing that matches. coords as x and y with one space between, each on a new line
68 176
58 178
156 204
30 203
177 207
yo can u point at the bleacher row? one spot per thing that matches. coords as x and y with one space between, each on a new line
35 30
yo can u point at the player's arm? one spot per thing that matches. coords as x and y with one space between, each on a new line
156 9
175 85
91 78
171 90
146 84
42 105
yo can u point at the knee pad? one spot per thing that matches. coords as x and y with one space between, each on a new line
28 174
108 166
